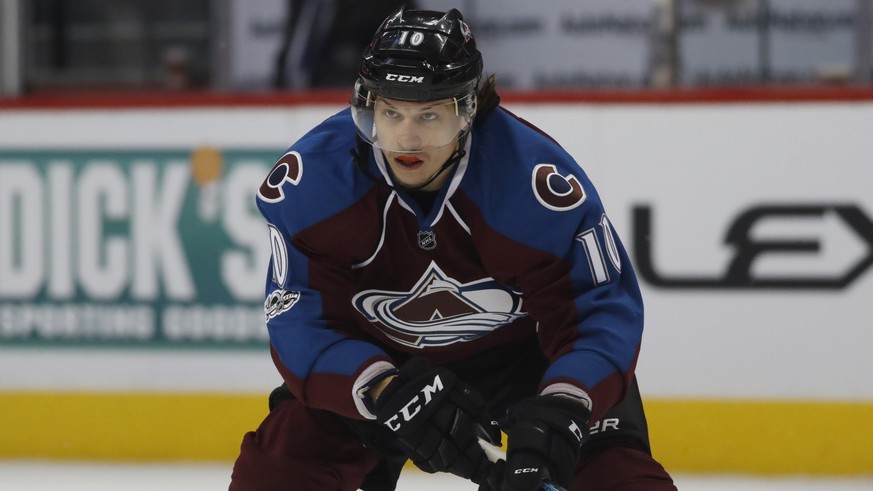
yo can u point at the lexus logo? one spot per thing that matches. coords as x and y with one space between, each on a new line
838 222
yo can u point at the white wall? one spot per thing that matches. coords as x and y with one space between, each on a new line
696 166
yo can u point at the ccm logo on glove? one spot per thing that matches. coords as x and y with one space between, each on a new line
413 407
526 470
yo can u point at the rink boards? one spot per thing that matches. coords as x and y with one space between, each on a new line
749 224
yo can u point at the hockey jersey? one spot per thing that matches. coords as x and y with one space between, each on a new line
516 244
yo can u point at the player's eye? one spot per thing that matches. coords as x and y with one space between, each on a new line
429 116
391 114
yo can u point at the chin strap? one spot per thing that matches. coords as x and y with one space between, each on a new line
359 155
361 160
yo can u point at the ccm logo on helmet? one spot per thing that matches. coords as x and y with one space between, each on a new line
404 78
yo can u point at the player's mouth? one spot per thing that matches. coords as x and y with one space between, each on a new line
408 162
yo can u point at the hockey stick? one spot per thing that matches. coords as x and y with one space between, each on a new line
495 453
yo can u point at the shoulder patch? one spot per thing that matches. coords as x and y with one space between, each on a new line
279 302
554 191
289 168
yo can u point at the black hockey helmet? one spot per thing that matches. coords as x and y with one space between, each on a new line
421 55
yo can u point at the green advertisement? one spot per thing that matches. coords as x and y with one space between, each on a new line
151 248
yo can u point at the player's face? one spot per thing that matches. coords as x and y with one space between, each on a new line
417 138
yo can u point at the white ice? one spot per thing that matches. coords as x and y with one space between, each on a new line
25 475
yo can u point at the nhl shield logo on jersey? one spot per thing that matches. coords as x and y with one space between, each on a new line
555 191
440 310
427 240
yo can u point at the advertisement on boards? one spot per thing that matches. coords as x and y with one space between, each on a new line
132 247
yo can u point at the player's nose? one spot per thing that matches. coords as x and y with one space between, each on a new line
408 136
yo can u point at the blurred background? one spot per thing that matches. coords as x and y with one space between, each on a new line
729 140
256 45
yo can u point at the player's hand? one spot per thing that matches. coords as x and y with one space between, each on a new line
544 438
437 420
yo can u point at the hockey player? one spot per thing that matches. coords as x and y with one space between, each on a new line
441 271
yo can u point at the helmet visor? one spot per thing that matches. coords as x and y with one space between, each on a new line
411 126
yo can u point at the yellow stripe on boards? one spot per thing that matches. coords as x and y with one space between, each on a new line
127 426
762 437
725 436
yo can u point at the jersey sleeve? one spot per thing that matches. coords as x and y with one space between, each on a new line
322 360
591 325
323 366
586 300
547 234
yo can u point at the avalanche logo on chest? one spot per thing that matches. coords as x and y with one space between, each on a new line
440 310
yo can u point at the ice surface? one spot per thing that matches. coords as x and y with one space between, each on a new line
25 475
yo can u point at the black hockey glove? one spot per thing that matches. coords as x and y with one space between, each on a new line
545 435
437 420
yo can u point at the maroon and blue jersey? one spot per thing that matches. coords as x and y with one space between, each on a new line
516 245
